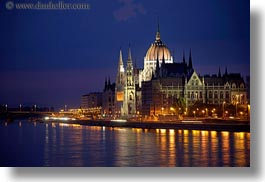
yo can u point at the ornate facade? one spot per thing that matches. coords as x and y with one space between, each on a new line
157 51
163 84
125 90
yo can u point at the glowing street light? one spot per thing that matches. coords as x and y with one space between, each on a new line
236 108
241 113
203 113
223 109
20 107
226 112
172 109
194 112
248 111
35 107
6 107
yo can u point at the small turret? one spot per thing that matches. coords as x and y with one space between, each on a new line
219 73
183 59
129 60
226 71
190 61
158 32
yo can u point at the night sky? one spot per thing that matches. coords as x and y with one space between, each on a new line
52 57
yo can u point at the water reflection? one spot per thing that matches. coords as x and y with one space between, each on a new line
76 145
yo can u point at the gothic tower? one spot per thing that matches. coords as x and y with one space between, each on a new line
119 89
129 106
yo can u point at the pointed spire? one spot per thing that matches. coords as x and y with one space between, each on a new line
129 54
219 73
120 59
120 64
105 87
190 61
158 31
158 28
184 61
109 81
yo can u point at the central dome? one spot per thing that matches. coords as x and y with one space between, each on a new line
158 49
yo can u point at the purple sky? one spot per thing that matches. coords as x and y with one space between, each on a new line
52 57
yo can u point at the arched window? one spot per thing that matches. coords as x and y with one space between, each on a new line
192 95
210 94
215 94
227 95
131 96
221 95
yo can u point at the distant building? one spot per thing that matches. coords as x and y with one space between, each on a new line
108 99
91 100
165 95
167 87
248 88
229 88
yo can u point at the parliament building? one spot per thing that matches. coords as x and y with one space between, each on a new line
165 85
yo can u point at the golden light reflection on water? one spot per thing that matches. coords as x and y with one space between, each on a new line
213 133
241 146
172 148
186 141
186 132
204 148
205 133
225 148
164 147
172 132
54 125
137 130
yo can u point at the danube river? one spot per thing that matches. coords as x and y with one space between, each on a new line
56 144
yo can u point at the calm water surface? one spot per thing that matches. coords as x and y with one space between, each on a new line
39 144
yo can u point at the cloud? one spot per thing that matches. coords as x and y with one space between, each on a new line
128 10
